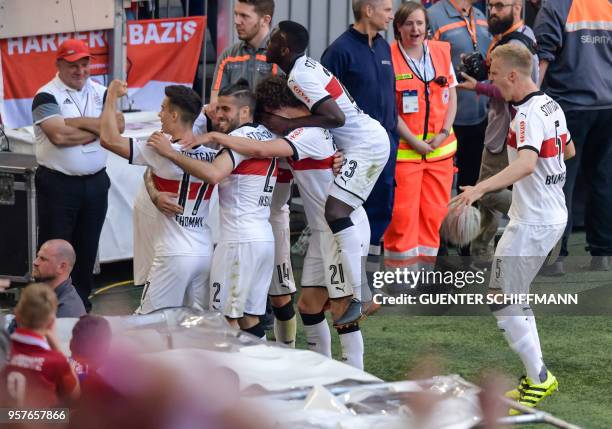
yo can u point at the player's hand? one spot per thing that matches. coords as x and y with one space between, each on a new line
160 143
210 110
338 161
469 83
118 88
469 195
165 203
436 140
276 124
207 139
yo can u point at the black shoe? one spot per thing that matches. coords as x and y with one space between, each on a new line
351 315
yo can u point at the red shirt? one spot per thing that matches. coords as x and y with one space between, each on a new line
35 375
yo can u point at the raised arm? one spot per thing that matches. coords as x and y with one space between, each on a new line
110 136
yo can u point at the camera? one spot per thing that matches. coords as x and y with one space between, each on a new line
473 65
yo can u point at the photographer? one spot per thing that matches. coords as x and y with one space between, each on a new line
507 27
465 28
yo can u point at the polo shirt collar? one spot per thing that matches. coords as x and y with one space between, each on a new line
362 37
31 338
62 86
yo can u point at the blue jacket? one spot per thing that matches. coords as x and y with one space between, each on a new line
367 74
575 37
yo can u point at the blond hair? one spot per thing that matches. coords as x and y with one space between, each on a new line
36 307
515 56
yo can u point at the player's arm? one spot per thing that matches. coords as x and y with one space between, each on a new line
325 114
570 151
253 148
210 172
110 136
523 166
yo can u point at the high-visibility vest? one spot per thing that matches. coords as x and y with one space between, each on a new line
433 99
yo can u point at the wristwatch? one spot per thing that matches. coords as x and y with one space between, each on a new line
445 132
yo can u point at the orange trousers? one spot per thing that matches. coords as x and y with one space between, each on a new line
421 203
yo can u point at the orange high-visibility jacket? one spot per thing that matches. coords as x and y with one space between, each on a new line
433 98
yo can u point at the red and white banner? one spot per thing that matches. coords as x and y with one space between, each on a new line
160 52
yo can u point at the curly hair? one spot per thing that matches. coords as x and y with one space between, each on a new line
272 93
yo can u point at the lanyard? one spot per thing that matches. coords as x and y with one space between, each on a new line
410 62
84 112
498 37
470 24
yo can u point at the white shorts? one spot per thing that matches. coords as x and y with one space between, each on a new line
144 222
319 269
240 277
361 167
520 254
176 281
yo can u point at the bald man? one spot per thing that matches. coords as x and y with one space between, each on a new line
52 266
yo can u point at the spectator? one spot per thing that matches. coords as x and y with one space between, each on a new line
41 375
89 348
507 27
465 28
71 180
52 266
427 102
361 59
247 58
575 52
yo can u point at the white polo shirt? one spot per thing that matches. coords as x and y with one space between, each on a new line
57 99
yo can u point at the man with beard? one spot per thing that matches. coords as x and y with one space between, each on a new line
52 266
243 260
506 26
247 58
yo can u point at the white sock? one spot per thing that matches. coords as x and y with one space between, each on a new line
285 330
517 330
532 324
351 342
317 333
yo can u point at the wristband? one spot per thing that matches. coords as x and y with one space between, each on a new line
445 132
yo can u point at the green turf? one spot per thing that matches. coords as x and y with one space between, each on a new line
576 349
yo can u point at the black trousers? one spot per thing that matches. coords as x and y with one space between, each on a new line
470 143
73 208
591 131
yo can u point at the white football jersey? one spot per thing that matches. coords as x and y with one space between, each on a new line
313 84
313 156
245 195
186 233
539 125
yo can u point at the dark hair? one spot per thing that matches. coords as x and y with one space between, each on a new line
90 335
296 36
272 93
262 7
402 14
241 91
186 100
